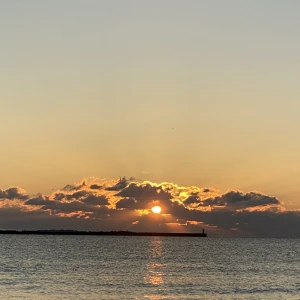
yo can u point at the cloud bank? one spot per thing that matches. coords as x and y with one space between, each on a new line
125 204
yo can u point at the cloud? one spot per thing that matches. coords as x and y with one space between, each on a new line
76 195
74 187
125 204
240 200
38 200
121 184
145 192
95 186
93 199
13 193
193 198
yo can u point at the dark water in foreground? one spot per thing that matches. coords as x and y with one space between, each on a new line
116 267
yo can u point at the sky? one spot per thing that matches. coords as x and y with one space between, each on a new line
191 93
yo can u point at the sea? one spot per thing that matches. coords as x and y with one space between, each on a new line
133 267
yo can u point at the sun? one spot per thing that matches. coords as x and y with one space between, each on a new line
156 209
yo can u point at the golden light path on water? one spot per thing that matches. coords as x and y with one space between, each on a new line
155 269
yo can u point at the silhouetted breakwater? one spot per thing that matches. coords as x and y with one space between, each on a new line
118 233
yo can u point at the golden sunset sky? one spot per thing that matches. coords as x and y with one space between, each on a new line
197 93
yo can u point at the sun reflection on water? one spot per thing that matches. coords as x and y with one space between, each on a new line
155 268
155 274
156 247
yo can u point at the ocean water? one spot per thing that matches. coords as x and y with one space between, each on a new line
116 267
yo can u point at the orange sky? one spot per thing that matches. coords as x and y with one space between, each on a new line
192 93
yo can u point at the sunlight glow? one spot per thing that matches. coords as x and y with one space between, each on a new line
156 209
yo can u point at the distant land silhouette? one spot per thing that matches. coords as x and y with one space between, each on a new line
118 233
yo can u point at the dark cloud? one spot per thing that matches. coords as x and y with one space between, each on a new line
250 224
95 186
239 200
69 207
73 196
38 200
95 200
13 193
127 205
76 195
121 184
59 196
194 198
15 218
84 196
73 187
144 192
146 196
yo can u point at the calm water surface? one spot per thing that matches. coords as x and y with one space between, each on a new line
112 267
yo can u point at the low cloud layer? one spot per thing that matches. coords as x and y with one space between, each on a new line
125 204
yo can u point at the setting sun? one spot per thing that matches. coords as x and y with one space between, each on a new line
156 209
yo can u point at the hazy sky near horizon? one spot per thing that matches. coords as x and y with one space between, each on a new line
199 93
